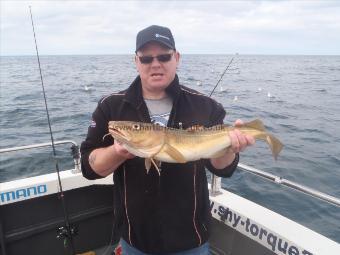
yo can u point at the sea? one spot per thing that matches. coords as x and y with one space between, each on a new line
297 97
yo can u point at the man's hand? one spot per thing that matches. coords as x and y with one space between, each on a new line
239 142
121 151
106 160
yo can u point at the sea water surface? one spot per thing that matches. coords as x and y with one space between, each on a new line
297 97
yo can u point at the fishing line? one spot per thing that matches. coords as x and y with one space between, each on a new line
221 76
68 234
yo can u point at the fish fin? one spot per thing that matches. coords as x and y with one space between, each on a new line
158 163
147 165
255 124
275 145
155 165
195 128
220 153
174 153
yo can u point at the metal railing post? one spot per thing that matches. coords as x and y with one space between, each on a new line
215 186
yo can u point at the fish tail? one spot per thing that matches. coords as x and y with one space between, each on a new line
274 143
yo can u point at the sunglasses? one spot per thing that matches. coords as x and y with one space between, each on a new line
161 58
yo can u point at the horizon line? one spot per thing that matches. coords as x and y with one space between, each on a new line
125 54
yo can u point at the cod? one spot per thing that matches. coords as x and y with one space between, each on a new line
164 144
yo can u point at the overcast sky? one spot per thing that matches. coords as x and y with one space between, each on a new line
110 27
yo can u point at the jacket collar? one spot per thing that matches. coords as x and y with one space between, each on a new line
134 93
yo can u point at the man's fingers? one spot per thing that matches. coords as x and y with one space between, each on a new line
240 141
238 123
250 139
235 146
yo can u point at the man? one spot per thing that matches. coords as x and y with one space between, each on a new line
166 213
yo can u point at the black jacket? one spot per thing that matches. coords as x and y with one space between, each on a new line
162 214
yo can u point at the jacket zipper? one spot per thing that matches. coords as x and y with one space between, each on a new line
143 113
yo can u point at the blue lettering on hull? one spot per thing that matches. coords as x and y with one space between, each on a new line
27 193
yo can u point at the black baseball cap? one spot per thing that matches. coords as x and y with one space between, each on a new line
155 33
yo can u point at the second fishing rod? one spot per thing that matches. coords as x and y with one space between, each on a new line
64 232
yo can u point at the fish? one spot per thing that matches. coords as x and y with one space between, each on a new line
156 143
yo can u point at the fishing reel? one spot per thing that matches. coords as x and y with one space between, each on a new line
66 234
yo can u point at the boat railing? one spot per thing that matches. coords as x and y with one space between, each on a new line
74 151
216 184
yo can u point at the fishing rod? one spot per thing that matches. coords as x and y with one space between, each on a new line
231 61
63 232
215 181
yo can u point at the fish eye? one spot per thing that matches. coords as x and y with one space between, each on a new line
136 126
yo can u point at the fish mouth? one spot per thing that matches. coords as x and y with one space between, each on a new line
119 135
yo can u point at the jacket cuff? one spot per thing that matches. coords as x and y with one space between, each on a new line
225 172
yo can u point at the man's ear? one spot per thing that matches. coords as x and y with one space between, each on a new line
136 63
178 57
